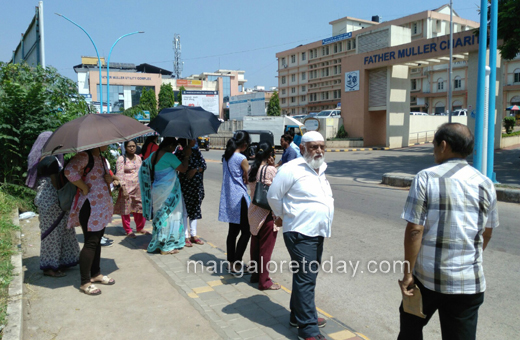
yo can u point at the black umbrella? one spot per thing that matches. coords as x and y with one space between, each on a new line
185 122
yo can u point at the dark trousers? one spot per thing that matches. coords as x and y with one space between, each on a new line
236 250
458 314
90 255
262 246
304 250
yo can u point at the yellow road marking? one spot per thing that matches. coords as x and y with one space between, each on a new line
193 295
211 244
201 290
362 336
324 313
215 283
342 335
285 289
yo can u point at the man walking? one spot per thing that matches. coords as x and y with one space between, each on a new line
288 153
301 196
451 211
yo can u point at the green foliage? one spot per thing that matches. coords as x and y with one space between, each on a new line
516 133
32 100
166 97
508 28
179 95
134 111
509 123
341 132
148 102
23 195
273 108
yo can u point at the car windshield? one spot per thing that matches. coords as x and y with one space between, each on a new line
324 113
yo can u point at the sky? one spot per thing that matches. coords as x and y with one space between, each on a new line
226 34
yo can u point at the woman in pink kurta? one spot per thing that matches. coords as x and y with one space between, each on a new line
93 211
129 199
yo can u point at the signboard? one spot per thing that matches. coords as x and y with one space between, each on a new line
208 100
336 38
143 117
352 81
97 107
251 104
312 124
31 48
189 83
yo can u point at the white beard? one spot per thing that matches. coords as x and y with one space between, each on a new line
314 163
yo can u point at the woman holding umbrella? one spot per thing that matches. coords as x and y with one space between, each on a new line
162 197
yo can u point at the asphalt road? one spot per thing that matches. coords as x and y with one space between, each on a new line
367 227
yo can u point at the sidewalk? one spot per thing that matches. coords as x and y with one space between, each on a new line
155 296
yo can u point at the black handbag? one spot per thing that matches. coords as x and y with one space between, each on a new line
261 189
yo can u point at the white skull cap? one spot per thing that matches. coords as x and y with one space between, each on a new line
312 136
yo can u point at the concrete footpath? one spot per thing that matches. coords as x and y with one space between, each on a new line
155 296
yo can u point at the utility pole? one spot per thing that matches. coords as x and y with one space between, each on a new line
177 63
451 63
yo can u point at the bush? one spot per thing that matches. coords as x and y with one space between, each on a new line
509 123
342 133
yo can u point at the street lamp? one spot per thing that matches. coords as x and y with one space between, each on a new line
99 60
108 67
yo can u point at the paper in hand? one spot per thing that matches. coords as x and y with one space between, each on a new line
413 304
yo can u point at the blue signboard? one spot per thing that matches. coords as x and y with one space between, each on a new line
143 117
336 38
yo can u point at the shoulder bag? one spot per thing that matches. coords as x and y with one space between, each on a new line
261 189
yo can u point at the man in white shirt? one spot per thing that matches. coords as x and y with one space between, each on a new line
301 196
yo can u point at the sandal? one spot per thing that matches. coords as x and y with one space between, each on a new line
144 232
91 290
105 280
196 240
274 286
188 243
171 252
131 235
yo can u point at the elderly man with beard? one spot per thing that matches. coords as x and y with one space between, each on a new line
301 197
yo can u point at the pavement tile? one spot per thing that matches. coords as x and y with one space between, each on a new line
223 289
197 283
252 334
243 325
211 295
202 289
342 335
280 331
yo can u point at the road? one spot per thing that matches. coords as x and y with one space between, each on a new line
367 227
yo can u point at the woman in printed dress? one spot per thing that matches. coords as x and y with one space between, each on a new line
129 199
192 186
59 247
234 200
162 197
92 211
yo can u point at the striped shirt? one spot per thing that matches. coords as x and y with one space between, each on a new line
455 203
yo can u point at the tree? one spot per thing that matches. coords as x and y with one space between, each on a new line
32 100
166 96
148 102
508 28
179 96
273 109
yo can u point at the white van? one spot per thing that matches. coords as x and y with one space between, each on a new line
460 113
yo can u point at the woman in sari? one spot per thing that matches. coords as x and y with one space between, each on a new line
162 198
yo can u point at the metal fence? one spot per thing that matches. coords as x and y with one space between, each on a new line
422 137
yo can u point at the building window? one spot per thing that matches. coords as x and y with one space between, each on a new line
283 80
353 43
293 99
517 76
302 98
349 45
414 28
293 111
303 56
283 100
304 76
293 89
457 83
293 77
310 54
304 88
335 48
283 62
414 84
325 50
340 47
293 59
283 91
440 84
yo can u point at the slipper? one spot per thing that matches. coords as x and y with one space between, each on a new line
106 281
91 290
144 232
188 243
131 235
196 240
274 286
171 252
55 274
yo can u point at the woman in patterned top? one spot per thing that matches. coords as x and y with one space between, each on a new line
263 228
129 199
92 211
59 246
234 200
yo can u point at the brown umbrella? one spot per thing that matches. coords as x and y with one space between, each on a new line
93 131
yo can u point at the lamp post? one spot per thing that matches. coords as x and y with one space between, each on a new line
99 61
108 67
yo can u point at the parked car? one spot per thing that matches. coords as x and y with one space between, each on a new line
311 115
329 114
418 114
298 116
460 113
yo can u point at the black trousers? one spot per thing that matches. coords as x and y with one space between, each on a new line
458 314
90 255
307 252
236 250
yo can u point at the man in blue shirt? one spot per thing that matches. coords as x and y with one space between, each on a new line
288 153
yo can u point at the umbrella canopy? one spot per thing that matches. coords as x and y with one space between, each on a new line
513 108
93 131
185 122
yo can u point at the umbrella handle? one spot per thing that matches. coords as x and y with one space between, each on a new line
56 148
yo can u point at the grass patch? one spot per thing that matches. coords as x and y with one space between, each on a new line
7 204
516 133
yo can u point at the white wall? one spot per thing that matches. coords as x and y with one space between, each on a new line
431 123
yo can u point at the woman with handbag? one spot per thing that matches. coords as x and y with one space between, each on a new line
129 199
234 200
59 246
261 218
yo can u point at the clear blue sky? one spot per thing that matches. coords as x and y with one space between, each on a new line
226 34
